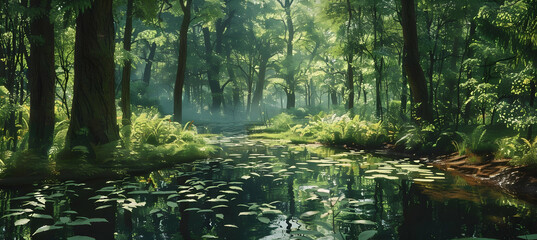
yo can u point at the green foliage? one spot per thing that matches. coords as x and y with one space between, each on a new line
417 138
509 147
342 130
475 143
281 122
529 155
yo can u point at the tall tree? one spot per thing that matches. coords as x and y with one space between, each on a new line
181 65
290 74
126 76
41 78
93 112
350 56
411 63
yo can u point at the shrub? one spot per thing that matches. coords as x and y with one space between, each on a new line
529 155
475 143
509 147
281 122
417 138
342 130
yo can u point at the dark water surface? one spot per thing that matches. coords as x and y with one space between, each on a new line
265 189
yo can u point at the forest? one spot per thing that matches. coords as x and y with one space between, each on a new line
268 119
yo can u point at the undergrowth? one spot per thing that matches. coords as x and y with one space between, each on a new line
151 141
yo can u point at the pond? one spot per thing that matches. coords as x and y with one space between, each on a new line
263 189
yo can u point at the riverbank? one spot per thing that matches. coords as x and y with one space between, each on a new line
109 163
520 182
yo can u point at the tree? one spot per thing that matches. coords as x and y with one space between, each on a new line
126 76
289 61
411 63
181 65
42 79
93 112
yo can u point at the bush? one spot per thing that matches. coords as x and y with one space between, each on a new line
529 155
342 130
280 123
417 138
476 144
509 147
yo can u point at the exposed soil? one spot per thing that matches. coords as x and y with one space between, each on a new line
518 181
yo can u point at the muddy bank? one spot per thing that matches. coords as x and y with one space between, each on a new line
518 181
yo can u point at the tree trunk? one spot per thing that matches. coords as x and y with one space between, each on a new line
529 136
416 77
290 99
404 89
212 72
149 63
93 110
126 77
333 97
350 70
350 82
181 66
290 76
260 85
42 77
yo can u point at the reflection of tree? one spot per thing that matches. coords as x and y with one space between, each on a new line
291 161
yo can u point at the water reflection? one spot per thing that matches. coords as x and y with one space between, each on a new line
261 190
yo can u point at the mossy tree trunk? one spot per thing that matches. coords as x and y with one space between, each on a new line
41 79
93 110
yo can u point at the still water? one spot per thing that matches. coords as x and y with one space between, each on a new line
264 189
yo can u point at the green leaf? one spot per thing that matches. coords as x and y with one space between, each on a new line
79 222
528 237
172 204
309 214
42 216
365 222
103 207
365 235
139 192
263 220
46 228
209 236
247 213
22 221
97 220
65 219
80 238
